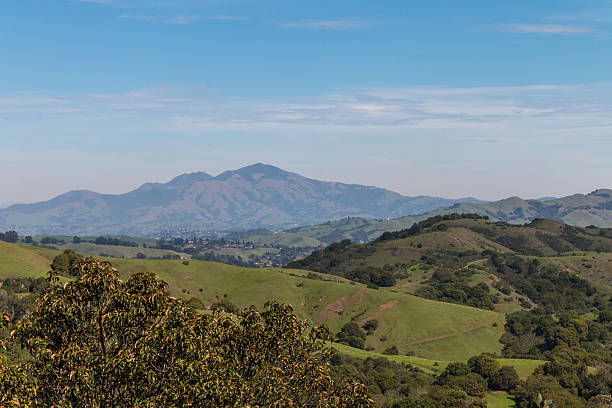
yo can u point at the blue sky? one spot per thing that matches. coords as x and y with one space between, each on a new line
448 98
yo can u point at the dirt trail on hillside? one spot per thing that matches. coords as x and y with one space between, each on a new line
385 306
339 303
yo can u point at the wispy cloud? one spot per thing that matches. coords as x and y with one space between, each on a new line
547 28
499 139
95 1
326 24
181 19
179 110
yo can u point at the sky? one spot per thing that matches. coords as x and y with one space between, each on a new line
447 98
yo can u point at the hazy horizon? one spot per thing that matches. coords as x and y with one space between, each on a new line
438 98
7 204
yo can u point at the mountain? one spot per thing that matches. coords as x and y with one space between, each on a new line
257 196
579 210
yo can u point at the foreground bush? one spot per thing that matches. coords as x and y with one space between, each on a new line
99 341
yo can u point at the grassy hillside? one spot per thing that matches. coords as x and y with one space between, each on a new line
438 257
26 261
427 328
117 251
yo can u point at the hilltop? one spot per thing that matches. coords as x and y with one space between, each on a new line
579 210
251 197
470 260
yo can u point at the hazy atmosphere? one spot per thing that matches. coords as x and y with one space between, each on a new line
445 98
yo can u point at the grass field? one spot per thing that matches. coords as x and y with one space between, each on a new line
118 251
21 260
524 368
499 399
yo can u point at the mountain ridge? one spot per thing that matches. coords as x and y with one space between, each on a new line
579 210
254 196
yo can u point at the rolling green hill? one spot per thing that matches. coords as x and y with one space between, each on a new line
21 260
471 251
427 328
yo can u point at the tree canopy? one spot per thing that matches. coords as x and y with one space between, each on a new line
99 341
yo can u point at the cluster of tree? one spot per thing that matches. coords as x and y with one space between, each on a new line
420 227
18 298
115 242
9 236
98 341
330 258
223 258
545 285
64 263
18 295
371 276
387 382
570 344
582 239
352 335
172 257
465 384
52 241
451 287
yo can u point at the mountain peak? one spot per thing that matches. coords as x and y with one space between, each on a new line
255 169
189 178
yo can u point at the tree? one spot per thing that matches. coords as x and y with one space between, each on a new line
98 341
485 365
9 236
452 370
63 263
526 394
370 326
76 240
505 379
352 335
28 239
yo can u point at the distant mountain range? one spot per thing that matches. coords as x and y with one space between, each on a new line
579 210
257 196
